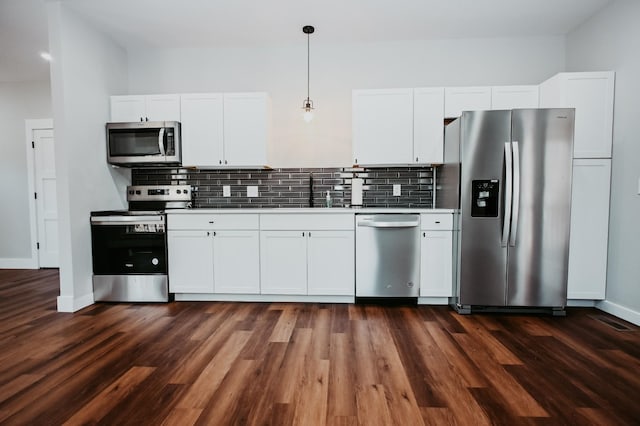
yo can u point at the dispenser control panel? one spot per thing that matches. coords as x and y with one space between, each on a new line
485 198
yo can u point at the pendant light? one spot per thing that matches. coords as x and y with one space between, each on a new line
307 104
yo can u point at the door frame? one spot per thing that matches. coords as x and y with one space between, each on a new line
30 126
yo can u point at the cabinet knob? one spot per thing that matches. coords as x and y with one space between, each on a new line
214 233
220 162
303 234
424 234
141 119
225 161
211 222
146 119
309 233
416 159
208 233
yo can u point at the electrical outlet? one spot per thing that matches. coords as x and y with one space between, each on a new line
397 188
226 191
252 191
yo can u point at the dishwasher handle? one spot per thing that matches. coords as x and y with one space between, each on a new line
387 224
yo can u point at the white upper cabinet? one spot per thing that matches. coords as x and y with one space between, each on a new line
514 97
246 129
382 126
202 129
145 108
591 94
458 99
428 125
398 126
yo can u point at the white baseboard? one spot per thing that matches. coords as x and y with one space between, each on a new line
620 311
572 303
71 304
195 297
19 263
433 300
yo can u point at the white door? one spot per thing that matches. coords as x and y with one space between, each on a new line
190 256
382 126
428 125
589 229
512 97
331 263
245 129
202 131
436 270
46 202
283 262
163 107
127 108
458 99
236 262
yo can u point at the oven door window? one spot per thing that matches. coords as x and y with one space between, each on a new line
120 249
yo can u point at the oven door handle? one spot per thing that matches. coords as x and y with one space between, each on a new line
126 220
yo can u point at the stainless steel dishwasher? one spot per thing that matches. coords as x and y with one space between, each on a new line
387 255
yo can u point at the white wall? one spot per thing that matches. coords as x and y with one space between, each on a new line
18 101
611 41
87 68
335 71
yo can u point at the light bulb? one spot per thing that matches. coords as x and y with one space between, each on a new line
308 116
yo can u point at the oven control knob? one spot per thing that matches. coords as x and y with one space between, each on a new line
155 261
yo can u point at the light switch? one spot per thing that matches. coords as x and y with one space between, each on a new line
226 190
397 188
252 191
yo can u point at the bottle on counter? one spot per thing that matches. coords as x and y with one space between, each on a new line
328 200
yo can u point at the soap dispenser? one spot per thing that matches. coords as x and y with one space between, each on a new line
328 200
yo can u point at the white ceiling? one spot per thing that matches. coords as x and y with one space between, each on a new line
240 23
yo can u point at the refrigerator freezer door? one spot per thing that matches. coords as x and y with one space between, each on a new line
482 279
539 240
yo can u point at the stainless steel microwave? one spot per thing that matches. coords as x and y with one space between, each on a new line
144 144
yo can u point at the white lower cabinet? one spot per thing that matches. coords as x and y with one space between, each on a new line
436 252
283 266
307 262
190 261
214 262
589 229
214 253
330 263
236 262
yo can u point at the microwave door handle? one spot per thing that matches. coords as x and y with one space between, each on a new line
161 142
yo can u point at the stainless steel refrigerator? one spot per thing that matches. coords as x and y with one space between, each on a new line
507 174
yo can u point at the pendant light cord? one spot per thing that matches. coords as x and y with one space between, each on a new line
308 56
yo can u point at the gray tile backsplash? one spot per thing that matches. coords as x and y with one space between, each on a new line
292 188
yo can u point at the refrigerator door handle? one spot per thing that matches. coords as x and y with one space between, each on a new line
516 193
508 160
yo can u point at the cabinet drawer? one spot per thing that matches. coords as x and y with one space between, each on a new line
305 222
436 221
212 221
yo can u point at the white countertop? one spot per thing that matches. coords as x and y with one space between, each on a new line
306 210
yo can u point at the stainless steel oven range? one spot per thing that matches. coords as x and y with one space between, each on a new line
129 247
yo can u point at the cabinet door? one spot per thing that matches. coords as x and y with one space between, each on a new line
331 263
436 271
246 129
382 126
163 107
589 229
190 261
127 108
428 125
591 94
202 131
513 97
283 262
458 99
236 262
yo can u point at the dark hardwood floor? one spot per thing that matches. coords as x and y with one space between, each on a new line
311 364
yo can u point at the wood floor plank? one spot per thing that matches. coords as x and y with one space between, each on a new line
102 403
328 364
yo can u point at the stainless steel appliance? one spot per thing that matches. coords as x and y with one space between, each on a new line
129 247
387 255
508 174
144 143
